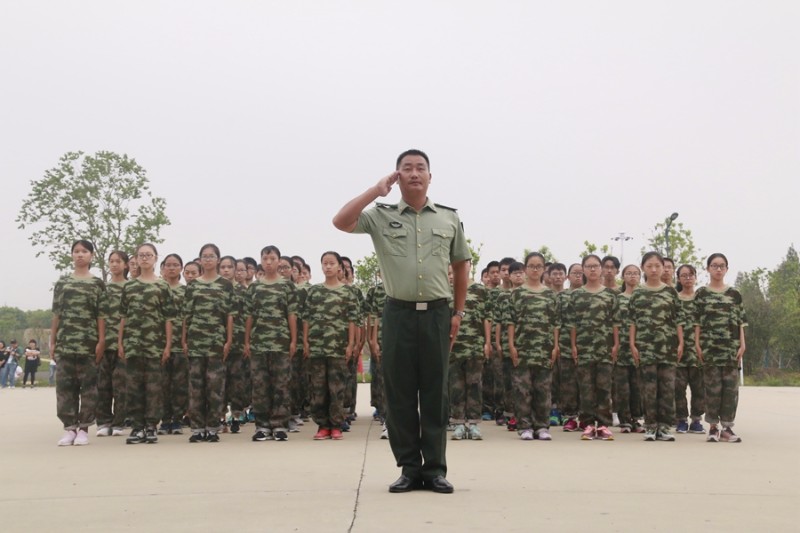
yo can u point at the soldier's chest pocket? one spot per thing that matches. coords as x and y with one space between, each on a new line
440 241
395 241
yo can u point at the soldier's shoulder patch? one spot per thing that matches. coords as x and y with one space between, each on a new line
385 206
445 207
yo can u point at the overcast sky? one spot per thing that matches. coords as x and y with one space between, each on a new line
546 122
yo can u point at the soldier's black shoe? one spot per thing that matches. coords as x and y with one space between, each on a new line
405 484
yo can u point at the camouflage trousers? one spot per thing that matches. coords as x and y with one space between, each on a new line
271 398
206 392
298 384
691 376
465 389
76 390
722 394
627 395
568 387
532 393
493 399
555 383
351 386
111 391
658 394
376 390
143 401
328 377
594 384
508 387
175 387
236 384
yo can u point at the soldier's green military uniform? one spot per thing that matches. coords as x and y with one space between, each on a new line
206 308
720 316
467 356
534 315
235 371
175 372
79 303
593 315
565 366
271 305
657 313
689 371
146 307
328 312
376 299
111 370
627 397
414 250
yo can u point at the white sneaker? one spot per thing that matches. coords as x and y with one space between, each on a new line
118 432
82 438
527 434
298 420
103 431
68 438
615 419
385 432
543 434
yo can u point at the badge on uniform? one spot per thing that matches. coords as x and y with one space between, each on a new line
395 224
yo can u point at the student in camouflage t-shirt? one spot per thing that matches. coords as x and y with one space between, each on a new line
593 322
270 343
720 346
689 371
145 340
175 372
376 298
329 336
235 385
77 343
656 341
532 323
208 311
516 277
567 367
627 390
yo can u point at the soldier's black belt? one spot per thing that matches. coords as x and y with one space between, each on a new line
417 306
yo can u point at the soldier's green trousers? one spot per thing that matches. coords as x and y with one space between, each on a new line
415 371
76 390
377 393
143 401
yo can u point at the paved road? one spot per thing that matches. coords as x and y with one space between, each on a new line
301 485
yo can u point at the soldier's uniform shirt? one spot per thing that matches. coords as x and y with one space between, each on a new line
329 312
656 313
146 308
415 248
534 315
593 315
471 337
719 315
689 312
79 303
206 307
270 303
112 303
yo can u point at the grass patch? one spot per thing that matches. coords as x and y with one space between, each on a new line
773 378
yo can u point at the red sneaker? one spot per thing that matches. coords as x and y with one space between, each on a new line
336 434
571 425
323 434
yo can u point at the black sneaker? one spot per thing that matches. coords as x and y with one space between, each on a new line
260 436
234 426
281 435
197 437
212 437
150 435
177 429
136 437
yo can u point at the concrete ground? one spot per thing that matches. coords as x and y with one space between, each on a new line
501 483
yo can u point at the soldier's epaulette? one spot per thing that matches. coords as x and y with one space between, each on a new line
386 206
445 207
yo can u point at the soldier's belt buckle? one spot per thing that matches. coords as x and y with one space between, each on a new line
422 306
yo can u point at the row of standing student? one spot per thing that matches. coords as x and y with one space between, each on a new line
636 349
145 339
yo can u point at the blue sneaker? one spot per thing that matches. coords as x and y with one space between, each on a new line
696 427
555 417
486 416
682 427
345 426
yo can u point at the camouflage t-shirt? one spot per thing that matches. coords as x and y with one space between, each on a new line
499 313
329 313
593 316
270 304
178 294
146 308
300 293
564 344
534 315
471 336
689 312
239 298
376 299
79 303
719 315
656 313
206 307
112 300
624 356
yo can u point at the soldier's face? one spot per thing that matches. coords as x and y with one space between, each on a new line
414 175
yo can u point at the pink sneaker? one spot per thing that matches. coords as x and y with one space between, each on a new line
588 433
571 425
603 433
336 434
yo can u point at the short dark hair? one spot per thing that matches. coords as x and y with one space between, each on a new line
611 258
413 151
557 266
516 266
493 264
506 261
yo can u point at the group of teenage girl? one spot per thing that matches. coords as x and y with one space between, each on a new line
255 338
574 347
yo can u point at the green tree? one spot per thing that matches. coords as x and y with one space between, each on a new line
40 318
753 287
682 249
544 250
591 248
366 271
476 256
12 321
784 297
104 198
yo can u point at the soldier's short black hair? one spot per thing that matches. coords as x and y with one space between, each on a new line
413 151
